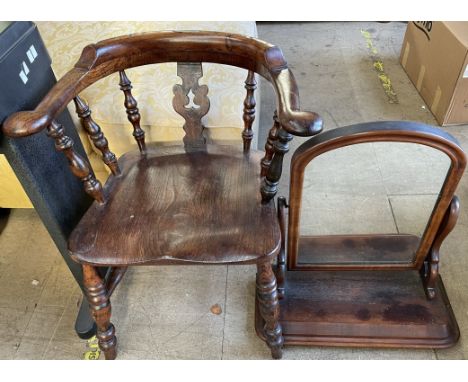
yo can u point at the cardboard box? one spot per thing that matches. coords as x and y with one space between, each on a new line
435 57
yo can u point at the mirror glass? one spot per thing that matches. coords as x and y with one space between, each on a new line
384 192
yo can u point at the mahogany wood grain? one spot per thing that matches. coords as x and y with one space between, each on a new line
385 309
357 252
366 290
392 131
430 268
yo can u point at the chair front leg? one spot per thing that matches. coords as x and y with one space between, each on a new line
267 296
100 306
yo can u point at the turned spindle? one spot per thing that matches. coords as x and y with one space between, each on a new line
270 182
79 167
269 149
100 308
95 133
249 110
133 114
267 297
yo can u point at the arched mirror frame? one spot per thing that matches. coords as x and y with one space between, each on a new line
397 131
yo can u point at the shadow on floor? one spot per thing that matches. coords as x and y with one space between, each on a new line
4 214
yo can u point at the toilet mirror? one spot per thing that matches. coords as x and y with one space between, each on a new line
377 190
372 196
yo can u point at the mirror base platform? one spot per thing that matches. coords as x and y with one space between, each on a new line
384 308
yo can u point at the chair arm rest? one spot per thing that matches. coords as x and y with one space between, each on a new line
25 123
293 120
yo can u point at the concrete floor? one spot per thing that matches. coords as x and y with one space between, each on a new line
164 312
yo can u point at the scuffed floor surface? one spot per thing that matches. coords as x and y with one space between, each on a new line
164 312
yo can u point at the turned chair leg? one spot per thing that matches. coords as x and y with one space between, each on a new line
100 306
267 296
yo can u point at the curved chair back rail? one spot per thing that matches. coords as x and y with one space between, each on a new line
106 57
394 131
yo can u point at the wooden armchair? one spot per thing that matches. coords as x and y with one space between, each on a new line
193 204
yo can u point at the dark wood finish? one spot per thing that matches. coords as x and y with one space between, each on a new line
269 148
249 110
177 205
95 133
101 59
268 306
100 306
200 207
363 309
366 290
193 127
271 180
113 278
369 251
78 166
133 114
430 268
281 258
394 131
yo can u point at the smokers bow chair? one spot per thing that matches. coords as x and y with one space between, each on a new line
195 203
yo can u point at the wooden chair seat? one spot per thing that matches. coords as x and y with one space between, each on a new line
173 206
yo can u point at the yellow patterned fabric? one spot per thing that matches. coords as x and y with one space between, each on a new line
152 87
